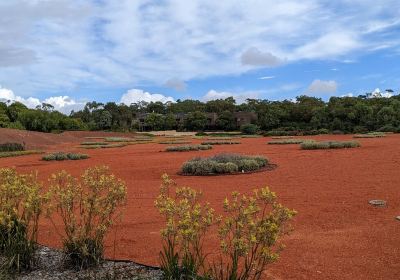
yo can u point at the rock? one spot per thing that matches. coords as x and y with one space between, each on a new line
398 218
378 202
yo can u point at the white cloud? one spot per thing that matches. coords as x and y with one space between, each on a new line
320 86
59 45
377 93
136 95
176 84
239 97
266 78
255 57
63 104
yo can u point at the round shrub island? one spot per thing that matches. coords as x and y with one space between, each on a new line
223 164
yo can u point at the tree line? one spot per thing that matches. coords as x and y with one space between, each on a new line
345 114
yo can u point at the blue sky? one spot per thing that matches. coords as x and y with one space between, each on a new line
67 52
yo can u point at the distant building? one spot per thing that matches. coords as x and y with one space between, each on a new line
242 118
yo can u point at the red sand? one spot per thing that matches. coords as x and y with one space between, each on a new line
338 235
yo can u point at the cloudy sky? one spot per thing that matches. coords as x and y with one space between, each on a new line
67 52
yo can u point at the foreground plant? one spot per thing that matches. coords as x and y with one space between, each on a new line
21 204
187 221
87 208
249 234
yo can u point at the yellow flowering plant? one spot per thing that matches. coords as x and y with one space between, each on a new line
249 233
187 221
87 208
21 202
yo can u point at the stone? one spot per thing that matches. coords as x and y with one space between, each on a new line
377 202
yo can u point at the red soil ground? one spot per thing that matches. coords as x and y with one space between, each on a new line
338 235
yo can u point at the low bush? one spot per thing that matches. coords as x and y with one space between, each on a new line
249 233
329 145
222 164
21 202
11 147
249 129
59 156
19 153
289 141
188 148
87 207
370 135
220 143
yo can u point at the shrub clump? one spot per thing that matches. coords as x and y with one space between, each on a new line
11 147
289 141
329 145
223 164
59 156
220 143
21 202
87 208
186 148
249 233
249 129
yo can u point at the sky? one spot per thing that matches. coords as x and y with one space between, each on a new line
68 52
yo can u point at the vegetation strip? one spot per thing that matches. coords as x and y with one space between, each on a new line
188 148
220 143
59 156
19 153
289 141
329 145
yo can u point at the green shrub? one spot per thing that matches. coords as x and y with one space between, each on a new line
329 145
188 148
223 163
59 156
11 147
249 129
250 136
223 168
220 142
289 141
87 207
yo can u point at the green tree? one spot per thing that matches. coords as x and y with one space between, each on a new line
196 121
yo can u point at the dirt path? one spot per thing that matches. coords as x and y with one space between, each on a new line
338 235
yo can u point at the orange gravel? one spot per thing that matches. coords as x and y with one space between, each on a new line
338 235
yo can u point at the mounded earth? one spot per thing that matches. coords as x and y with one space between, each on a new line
337 233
